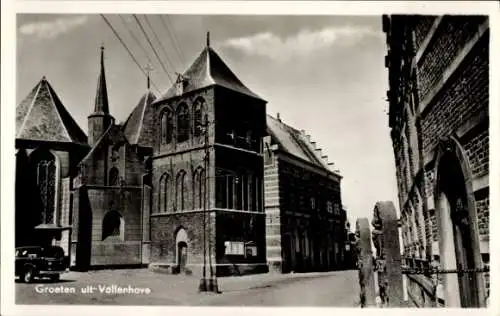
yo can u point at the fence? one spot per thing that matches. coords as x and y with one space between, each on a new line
381 274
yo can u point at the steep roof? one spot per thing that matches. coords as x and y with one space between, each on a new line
134 129
296 143
208 70
113 133
42 116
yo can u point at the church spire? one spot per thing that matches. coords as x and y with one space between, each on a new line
208 39
148 69
100 120
101 97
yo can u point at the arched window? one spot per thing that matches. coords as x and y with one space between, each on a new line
45 168
181 190
198 117
113 176
182 123
201 188
195 183
166 127
112 225
163 193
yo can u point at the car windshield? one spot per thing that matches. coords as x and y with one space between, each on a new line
54 252
25 252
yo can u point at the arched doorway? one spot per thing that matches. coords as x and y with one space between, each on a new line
112 226
458 232
181 244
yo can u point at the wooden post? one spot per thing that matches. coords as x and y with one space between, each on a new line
385 222
365 263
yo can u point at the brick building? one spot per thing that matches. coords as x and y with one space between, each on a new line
438 114
305 221
208 171
179 185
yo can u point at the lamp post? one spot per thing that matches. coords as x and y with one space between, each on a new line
210 285
203 287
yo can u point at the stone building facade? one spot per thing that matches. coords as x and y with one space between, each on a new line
438 114
305 221
208 171
180 185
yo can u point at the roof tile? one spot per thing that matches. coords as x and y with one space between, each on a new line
42 116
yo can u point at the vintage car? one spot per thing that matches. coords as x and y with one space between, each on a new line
38 262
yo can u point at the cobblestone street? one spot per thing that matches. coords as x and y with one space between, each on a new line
338 289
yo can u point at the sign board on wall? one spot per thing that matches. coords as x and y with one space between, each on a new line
234 248
251 251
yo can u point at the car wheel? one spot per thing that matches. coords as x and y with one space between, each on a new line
54 278
28 275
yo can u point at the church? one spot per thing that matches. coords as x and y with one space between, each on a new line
183 185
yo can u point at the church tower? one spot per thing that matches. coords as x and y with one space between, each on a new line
100 119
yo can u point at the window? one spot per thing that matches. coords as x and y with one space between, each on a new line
166 127
221 189
181 190
112 225
257 193
230 191
239 193
113 176
163 193
201 188
329 207
251 193
46 183
198 117
313 203
198 188
182 123
244 184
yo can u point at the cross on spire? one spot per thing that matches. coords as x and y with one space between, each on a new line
148 69
208 39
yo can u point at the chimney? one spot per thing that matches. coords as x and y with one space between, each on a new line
278 116
312 143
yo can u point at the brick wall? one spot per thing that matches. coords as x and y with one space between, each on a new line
163 236
467 93
423 25
128 204
451 36
187 162
483 212
477 150
207 95
273 214
296 188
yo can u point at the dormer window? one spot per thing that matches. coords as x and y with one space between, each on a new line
180 84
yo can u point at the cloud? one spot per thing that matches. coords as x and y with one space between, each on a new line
304 43
53 28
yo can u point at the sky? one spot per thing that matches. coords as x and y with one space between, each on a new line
322 74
